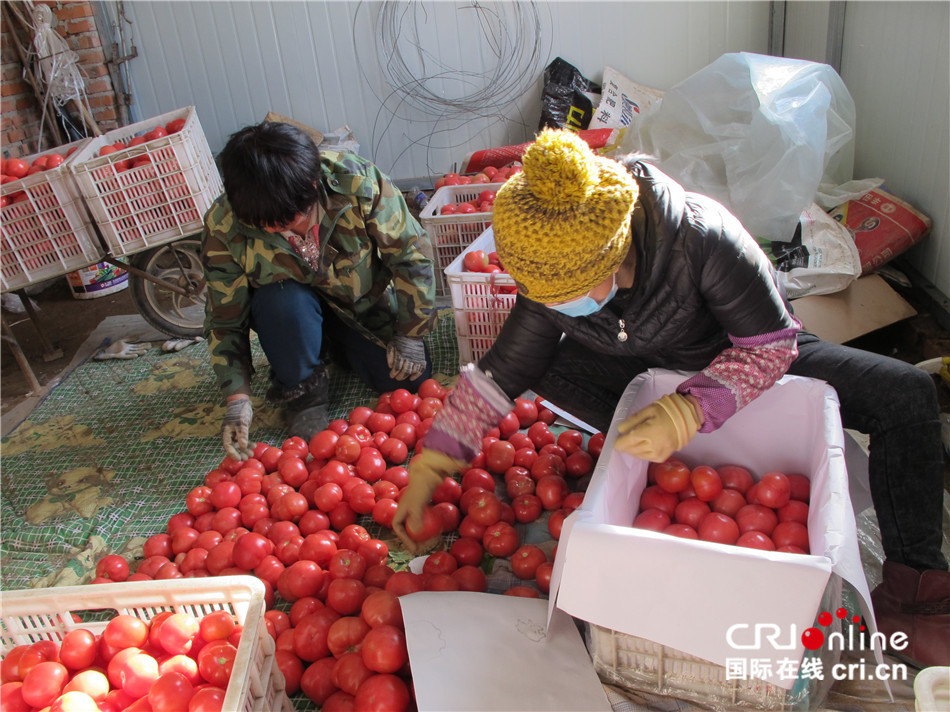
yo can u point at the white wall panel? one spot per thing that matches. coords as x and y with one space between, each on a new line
323 63
896 64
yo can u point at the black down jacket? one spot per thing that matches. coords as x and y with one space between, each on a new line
700 277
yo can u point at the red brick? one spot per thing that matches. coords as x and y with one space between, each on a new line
91 57
79 26
13 87
72 11
15 135
7 105
99 86
99 100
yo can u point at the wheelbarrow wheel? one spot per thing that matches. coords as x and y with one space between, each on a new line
177 263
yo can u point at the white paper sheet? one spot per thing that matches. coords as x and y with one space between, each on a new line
484 652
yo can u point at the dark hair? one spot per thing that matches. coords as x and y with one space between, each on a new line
271 173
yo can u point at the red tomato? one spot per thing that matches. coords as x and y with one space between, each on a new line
217 625
349 673
346 563
467 551
691 512
756 517
381 608
719 528
499 456
540 434
654 497
215 662
794 511
470 578
652 519
207 699
683 531
774 490
789 533
113 567
800 487
43 683
526 560
671 476
706 482
500 539
125 631
484 507
526 411
177 633
579 463
404 582
449 514
735 477
78 649
346 635
474 260
171 692
755 540
300 579
323 444
728 502
551 490
595 444
555 522
382 693
93 682
405 432
317 680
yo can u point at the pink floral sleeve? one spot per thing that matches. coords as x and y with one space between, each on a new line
741 373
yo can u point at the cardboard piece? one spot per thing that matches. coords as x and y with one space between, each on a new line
317 136
865 305
793 427
484 652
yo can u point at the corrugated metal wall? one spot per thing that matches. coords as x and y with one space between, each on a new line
475 69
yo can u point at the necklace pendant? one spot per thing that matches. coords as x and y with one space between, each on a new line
621 335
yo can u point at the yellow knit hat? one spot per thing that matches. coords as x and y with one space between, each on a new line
562 225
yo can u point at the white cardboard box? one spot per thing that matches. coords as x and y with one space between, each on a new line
688 594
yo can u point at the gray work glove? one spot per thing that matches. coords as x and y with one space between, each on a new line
406 358
236 427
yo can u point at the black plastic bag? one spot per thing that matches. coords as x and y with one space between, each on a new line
565 100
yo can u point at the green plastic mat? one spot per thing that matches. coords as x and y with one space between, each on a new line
110 454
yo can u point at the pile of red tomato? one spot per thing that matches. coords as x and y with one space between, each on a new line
483 203
13 169
173 126
294 517
175 662
489 174
726 504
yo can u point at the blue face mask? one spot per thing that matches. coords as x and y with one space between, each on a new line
586 305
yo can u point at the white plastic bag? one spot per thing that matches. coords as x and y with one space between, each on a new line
765 136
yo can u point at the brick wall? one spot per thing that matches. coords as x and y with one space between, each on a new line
20 112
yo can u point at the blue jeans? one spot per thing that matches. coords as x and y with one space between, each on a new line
893 402
294 326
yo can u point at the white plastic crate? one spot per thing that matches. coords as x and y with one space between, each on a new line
256 684
481 301
155 203
450 234
46 232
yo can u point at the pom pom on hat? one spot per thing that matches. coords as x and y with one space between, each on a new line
562 225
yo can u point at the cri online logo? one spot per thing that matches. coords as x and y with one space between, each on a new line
813 638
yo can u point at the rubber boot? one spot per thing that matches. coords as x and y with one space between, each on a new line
917 604
306 405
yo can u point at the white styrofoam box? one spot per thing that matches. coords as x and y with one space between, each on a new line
450 234
160 200
694 598
481 301
46 229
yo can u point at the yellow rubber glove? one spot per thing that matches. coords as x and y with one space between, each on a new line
663 427
426 472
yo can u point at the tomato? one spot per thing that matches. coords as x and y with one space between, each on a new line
556 521
673 475
125 631
402 583
706 482
756 517
346 563
350 672
794 511
317 680
44 682
500 539
310 634
541 434
518 483
499 456
477 477
371 465
690 512
449 514
484 507
177 633
113 567
527 508
345 595
526 412
16 168
215 662
382 693
735 477
579 464
551 490
526 560
728 502
449 491
171 692
547 464
384 649
217 625
293 470
323 444
800 487
467 551
475 260
719 528
78 649
138 673
207 699
405 432
755 540
654 497
774 490
790 533
683 531
381 608
652 519
300 579
470 578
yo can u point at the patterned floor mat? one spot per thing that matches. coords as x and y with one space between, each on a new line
112 451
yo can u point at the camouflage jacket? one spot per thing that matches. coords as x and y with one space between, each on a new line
374 269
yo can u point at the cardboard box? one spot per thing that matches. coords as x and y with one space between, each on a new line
691 595
865 305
